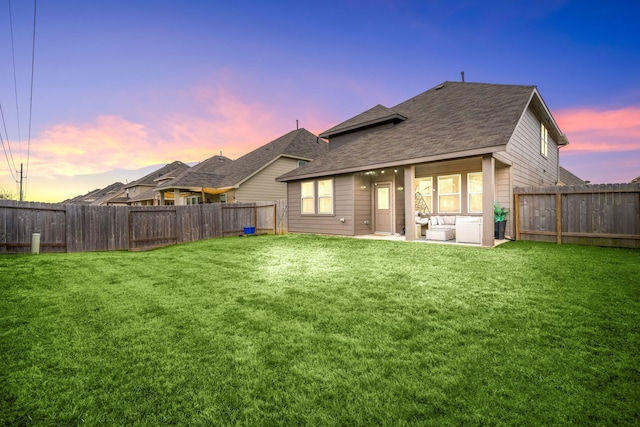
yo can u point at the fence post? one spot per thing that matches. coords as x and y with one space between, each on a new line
517 215
275 218
559 218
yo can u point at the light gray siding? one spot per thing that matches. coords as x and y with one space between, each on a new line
530 167
263 185
343 207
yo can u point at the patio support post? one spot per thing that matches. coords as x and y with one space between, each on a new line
162 198
176 196
488 197
409 203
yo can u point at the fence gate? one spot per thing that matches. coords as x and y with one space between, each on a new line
150 229
237 216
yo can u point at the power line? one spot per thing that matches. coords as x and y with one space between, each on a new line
7 157
33 61
11 169
15 78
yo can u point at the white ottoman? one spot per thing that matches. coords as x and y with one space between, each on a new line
440 234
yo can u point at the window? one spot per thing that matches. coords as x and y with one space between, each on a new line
383 198
424 200
223 198
449 193
474 189
308 197
325 196
317 197
301 163
544 140
193 200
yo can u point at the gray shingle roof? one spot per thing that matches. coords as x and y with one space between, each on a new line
299 143
450 118
92 197
199 175
174 168
373 116
567 178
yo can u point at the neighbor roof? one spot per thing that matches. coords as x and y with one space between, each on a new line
444 122
167 171
93 197
204 172
298 144
567 178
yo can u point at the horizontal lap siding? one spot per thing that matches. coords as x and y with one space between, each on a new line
530 167
363 217
263 185
324 224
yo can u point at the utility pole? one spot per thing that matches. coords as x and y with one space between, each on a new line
21 195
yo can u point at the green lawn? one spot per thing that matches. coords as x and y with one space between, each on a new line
309 330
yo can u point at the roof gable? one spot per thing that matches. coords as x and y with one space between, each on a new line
375 116
199 175
173 168
299 143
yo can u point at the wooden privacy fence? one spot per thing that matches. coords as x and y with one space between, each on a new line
83 228
597 215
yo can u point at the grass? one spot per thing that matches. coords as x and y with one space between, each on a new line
310 330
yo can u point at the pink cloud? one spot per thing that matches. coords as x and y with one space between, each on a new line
591 130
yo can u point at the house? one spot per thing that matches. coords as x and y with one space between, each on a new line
97 196
250 178
140 192
567 178
191 186
448 152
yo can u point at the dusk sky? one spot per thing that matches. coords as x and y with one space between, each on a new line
122 87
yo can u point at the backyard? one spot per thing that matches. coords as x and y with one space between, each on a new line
312 330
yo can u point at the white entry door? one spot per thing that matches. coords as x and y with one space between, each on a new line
383 208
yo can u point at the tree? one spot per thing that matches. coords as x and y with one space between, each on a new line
5 195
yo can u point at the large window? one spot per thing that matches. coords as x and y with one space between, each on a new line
474 189
449 194
544 140
317 197
308 197
325 196
424 194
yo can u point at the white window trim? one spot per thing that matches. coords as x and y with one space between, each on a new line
469 192
325 196
544 140
430 195
312 197
450 194
316 197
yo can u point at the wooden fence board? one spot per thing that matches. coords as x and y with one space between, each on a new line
602 215
82 228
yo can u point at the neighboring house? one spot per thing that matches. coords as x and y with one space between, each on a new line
140 192
635 180
191 186
97 196
567 178
462 146
250 178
